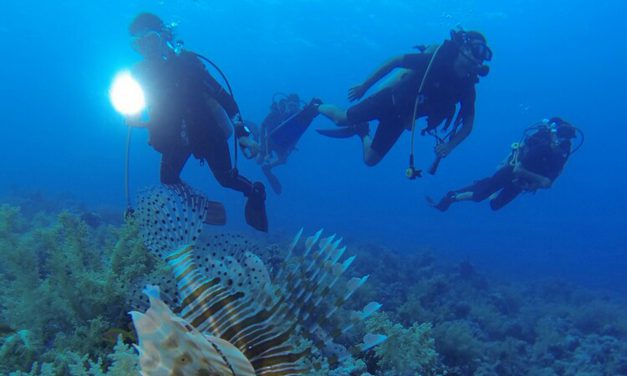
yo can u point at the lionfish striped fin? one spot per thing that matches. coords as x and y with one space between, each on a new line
220 307
290 250
311 241
313 296
359 316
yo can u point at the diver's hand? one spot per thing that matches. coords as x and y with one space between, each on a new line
544 182
529 185
442 150
517 169
356 92
250 148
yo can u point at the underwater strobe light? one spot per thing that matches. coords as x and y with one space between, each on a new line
127 95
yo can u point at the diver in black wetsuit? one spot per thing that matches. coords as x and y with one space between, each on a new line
431 85
281 129
190 113
534 164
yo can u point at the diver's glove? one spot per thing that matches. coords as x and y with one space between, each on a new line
250 148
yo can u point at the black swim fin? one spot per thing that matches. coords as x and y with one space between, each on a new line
215 214
275 184
346 131
339 132
444 203
255 210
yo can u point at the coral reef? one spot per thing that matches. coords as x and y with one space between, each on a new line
65 286
418 355
488 327
69 282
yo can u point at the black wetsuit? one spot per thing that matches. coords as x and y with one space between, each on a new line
182 121
393 106
539 154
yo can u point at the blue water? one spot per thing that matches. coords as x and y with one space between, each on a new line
563 58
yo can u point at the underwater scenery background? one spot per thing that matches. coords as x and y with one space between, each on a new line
63 148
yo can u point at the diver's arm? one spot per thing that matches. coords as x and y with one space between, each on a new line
463 133
442 150
358 91
467 116
211 85
221 96
244 137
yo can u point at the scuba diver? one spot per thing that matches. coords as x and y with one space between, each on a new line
534 163
281 129
190 113
430 84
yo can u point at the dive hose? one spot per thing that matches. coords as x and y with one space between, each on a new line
129 208
411 172
228 86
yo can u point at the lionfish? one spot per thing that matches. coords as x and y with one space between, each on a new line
233 317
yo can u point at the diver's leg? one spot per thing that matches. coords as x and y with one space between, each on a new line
388 132
371 156
335 113
510 192
219 159
266 168
448 199
484 188
478 191
366 110
379 106
171 166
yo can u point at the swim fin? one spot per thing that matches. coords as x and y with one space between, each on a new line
215 214
284 137
361 129
255 210
339 132
444 203
275 184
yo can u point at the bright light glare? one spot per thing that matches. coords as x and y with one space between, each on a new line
126 95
